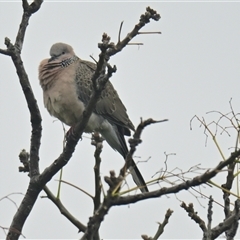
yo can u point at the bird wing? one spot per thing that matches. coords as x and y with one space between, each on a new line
111 108
109 105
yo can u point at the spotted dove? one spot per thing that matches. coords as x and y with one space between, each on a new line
67 86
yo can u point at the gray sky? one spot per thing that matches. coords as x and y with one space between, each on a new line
191 68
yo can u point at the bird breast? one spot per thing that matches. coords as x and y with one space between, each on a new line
61 99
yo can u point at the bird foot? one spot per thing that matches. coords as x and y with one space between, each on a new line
71 135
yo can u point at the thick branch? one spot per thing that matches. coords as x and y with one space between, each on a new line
33 189
228 186
96 220
230 223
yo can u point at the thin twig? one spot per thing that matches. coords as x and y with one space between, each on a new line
149 33
80 189
119 33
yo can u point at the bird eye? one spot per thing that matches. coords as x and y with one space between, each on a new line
63 52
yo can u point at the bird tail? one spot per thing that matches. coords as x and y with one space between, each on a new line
137 177
136 174
115 138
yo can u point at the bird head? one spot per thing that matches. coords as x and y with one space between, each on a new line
60 51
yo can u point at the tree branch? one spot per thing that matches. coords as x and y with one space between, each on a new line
96 220
229 223
194 216
64 211
196 181
144 19
32 192
97 142
160 227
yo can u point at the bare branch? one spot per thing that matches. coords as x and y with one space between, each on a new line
196 181
97 142
191 213
5 52
28 10
119 33
24 159
64 211
229 225
227 186
163 224
135 44
96 220
8 197
144 19
31 195
207 234
149 33
80 189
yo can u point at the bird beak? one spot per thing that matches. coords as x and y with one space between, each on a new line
51 59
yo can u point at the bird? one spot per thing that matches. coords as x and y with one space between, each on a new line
67 86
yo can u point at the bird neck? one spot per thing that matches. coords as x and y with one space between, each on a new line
68 61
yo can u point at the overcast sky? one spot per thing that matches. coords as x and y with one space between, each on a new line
190 69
